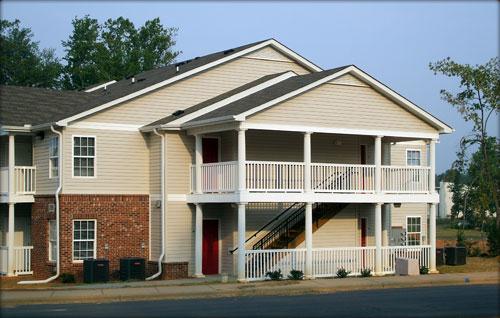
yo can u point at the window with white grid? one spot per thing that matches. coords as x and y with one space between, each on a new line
54 157
413 230
413 157
84 246
83 156
52 241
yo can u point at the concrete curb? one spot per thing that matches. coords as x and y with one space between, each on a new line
283 288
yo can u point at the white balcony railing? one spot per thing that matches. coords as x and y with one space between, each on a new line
273 176
342 178
404 179
326 261
276 176
24 180
22 260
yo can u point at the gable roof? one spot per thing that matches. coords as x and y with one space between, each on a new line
20 106
240 109
181 114
72 105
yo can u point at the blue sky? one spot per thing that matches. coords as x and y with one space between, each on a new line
392 41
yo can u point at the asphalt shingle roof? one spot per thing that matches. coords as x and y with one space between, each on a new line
28 105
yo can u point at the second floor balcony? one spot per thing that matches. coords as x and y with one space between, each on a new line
290 177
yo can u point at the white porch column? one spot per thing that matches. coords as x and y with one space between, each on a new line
198 244
12 164
10 241
432 237
386 224
309 242
432 165
378 164
307 162
198 162
378 239
241 160
241 241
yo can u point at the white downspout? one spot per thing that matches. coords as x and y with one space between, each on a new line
162 173
58 191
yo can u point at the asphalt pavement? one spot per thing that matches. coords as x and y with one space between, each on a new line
440 301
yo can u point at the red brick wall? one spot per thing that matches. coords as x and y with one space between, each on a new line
40 217
122 225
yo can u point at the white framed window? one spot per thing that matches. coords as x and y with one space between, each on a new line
413 157
413 230
54 157
84 156
84 239
52 241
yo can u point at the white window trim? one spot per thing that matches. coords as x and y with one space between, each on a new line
51 258
53 157
73 157
416 150
406 228
78 261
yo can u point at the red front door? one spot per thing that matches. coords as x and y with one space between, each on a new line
363 232
210 263
210 150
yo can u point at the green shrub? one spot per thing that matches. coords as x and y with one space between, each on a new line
366 272
275 275
342 273
67 278
296 275
424 270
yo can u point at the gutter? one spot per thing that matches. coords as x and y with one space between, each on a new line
58 192
162 173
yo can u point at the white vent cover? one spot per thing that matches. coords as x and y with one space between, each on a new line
51 207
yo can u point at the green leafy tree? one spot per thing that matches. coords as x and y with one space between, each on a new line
116 49
477 101
22 62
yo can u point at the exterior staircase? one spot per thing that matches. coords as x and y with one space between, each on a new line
289 231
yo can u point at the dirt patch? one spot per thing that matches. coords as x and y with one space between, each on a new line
474 265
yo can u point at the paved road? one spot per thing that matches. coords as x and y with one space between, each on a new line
448 301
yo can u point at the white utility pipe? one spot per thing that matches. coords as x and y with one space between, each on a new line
58 191
162 173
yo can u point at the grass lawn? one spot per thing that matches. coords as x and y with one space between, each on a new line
474 264
444 232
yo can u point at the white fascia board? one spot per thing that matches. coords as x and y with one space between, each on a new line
338 130
5 129
99 86
301 90
290 53
211 121
272 42
224 102
105 126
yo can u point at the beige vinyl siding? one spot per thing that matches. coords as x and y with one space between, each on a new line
398 153
348 79
191 91
121 163
339 231
342 106
180 150
180 233
154 147
44 185
270 54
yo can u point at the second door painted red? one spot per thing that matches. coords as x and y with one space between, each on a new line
210 263
363 232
